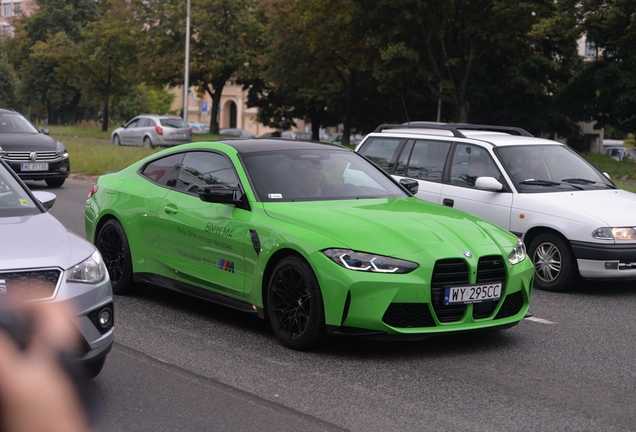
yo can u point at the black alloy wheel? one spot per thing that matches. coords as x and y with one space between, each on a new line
113 245
554 263
294 305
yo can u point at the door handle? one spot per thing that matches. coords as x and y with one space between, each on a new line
448 202
170 209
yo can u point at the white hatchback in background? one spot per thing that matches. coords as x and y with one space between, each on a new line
573 219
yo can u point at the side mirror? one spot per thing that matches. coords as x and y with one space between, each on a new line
488 183
46 198
607 175
221 194
410 185
45 131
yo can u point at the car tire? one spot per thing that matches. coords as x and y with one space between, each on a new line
55 182
554 263
113 245
294 305
116 140
148 143
93 367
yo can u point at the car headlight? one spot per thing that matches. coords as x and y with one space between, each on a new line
61 150
518 254
621 233
361 261
92 270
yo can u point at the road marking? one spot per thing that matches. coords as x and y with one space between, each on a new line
540 320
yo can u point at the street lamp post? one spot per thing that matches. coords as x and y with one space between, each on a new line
186 83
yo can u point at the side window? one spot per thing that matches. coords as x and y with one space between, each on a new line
427 160
205 168
471 162
164 171
400 167
133 124
382 151
146 122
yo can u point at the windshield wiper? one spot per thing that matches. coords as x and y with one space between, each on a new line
534 182
585 181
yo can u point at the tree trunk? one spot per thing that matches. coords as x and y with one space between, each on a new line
350 107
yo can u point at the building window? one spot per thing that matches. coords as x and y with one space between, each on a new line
590 50
17 9
6 9
5 31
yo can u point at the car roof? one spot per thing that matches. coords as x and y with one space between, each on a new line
8 111
252 145
497 136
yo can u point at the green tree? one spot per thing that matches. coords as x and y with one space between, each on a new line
100 61
318 53
41 92
605 89
8 85
225 37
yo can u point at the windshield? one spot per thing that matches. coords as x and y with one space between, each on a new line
541 168
15 123
14 200
329 174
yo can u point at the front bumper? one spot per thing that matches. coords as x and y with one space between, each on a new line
57 169
409 305
605 261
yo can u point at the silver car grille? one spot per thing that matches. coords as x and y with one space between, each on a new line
30 284
25 156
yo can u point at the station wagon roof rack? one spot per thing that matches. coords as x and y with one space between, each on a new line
454 128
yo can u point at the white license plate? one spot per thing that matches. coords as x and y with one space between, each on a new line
472 293
34 167
175 135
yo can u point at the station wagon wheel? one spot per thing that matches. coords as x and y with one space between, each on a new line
113 245
116 140
554 263
294 305
148 143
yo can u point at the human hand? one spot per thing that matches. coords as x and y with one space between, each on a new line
36 394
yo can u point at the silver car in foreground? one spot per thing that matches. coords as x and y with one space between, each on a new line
153 130
40 260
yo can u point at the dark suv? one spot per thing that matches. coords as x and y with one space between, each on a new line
31 152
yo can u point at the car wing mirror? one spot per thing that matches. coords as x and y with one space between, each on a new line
45 131
410 185
46 198
222 194
607 175
488 183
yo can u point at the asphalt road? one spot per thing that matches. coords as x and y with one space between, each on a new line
182 364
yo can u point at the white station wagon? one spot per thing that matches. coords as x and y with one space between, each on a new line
574 221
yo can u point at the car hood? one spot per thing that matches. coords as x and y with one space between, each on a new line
27 142
40 241
398 227
614 207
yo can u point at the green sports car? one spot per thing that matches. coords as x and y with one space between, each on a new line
312 237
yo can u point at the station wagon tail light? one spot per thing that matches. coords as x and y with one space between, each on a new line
360 261
518 254
159 130
621 233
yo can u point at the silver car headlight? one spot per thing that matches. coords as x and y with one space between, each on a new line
92 270
621 233
361 261
518 254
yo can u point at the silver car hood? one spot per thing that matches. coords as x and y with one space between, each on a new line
37 241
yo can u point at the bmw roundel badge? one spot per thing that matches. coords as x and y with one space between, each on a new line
467 254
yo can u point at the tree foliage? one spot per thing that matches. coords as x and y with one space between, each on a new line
605 89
